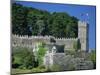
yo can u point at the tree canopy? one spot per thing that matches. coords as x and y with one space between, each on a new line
32 21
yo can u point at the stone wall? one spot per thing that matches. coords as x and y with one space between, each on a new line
67 62
69 42
30 41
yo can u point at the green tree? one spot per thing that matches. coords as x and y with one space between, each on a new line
32 21
19 23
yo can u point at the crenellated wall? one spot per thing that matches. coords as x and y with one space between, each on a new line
30 41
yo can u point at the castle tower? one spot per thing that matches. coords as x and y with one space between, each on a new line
83 35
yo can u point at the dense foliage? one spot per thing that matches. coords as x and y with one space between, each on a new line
22 58
32 21
40 54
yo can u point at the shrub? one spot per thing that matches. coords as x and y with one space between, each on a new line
40 54
41 66
92 57
39 69
54 68
23 57
70 52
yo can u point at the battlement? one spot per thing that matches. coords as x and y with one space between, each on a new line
82 23
28 37
66 38
30 41
40 37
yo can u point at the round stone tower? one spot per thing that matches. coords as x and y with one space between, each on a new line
83 35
